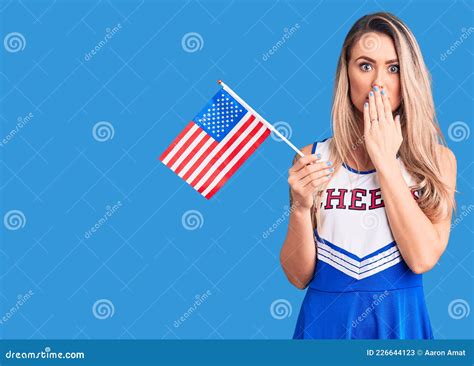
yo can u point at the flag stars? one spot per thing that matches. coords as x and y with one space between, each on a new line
220 115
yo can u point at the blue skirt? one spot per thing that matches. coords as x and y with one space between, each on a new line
391 314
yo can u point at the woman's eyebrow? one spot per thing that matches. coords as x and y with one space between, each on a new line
372 60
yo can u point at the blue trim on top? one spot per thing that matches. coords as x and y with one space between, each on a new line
360 272
333 261
380 265
362 171
349 254
315 144
353 265
358 171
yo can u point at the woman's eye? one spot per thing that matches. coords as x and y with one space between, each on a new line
365 67
394 68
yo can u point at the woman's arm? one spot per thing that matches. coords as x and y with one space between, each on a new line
420 241
298 254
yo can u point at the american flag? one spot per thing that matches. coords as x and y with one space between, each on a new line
215 144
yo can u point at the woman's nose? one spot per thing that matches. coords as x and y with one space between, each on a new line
378 81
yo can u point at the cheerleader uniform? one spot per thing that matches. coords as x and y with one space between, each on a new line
361 288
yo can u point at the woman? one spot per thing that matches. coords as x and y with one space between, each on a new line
378 194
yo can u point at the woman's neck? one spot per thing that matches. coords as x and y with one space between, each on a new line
363 161
360 152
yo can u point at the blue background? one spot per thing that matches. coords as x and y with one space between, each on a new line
143 260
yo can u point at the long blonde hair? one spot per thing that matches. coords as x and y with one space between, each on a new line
420 150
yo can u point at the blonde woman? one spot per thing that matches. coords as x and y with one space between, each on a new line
371 205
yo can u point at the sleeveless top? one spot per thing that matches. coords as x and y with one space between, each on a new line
356 250
362 287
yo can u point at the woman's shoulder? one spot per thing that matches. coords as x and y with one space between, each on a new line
309 149
448 164
447 157
306 150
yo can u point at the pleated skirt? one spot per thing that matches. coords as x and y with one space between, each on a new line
391 314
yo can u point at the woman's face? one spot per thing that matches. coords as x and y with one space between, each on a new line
374 62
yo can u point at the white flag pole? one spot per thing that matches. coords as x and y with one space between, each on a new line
269 125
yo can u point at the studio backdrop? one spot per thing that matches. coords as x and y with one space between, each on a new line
100 239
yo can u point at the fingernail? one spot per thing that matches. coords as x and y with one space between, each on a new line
383 92
366 105
371 94
376 88
331 170
329 163
318 155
